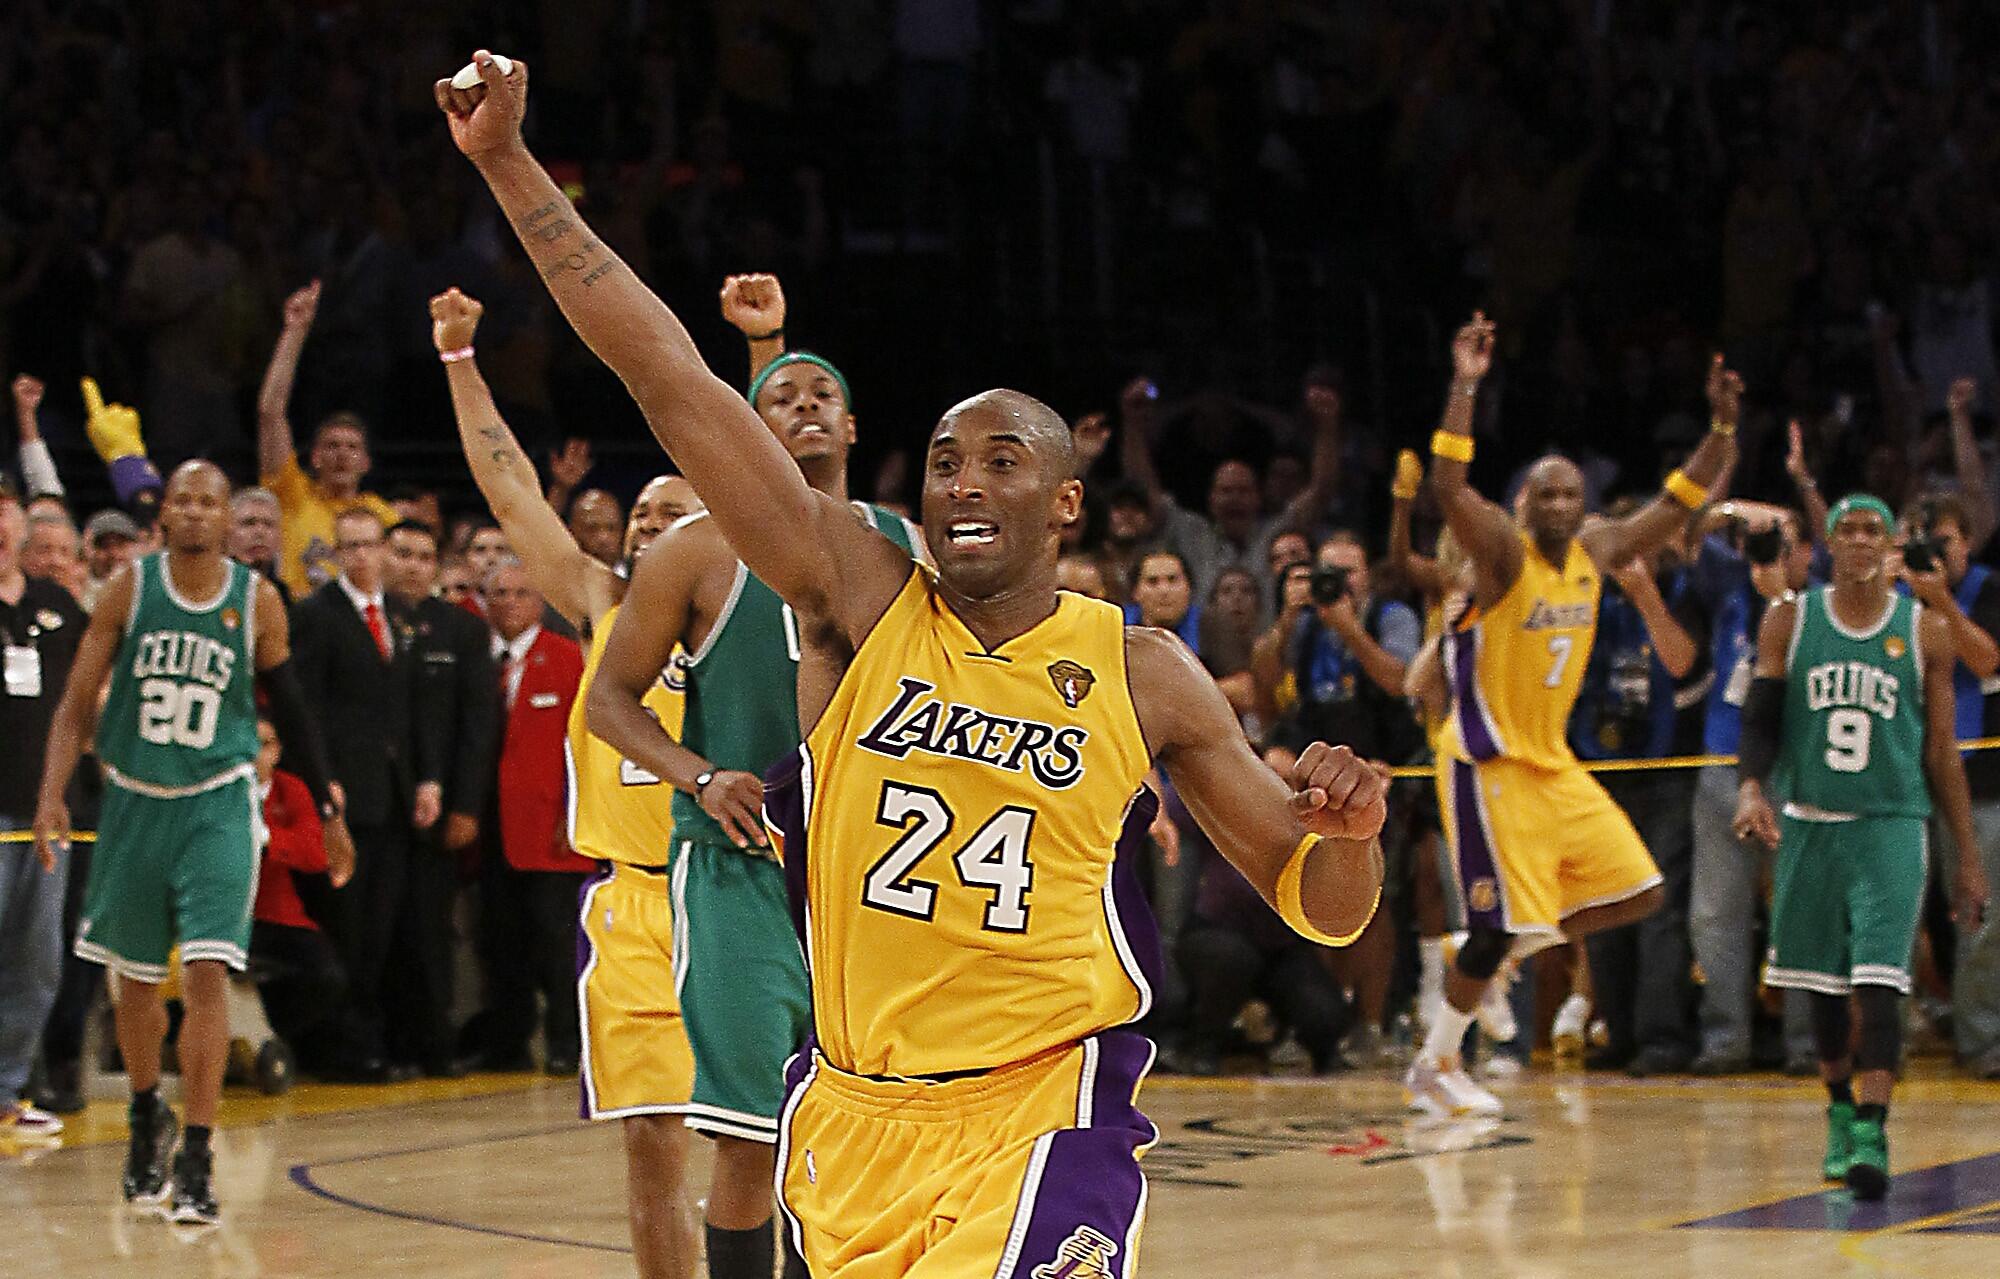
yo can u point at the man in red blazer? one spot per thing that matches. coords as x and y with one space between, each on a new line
298 972
528 892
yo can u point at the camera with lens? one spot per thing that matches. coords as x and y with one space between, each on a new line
1764 545
1329 583
1923 552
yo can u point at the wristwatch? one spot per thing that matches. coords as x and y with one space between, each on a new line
701 782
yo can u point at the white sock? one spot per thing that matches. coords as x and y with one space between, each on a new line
1446 1034
1430 969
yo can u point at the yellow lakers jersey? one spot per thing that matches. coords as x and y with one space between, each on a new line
619 812
960 833
1515 668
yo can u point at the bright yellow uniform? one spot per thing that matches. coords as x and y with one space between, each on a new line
959 833
636 1059
307 514
1534 837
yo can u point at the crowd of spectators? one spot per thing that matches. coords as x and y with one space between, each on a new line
237 235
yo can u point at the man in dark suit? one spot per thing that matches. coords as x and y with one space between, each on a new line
357 674
529 878
455 734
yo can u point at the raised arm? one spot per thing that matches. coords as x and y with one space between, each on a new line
1138 419
1944 769
1253 816
75 720
580 588
1975 490
1323 406
1611 543
274 428
1489 534
1410 568
38 468
805 545
1671 642
755 305
1810 499
653 621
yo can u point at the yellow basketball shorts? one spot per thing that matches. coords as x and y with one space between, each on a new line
1533 846
636 1059
1029 1170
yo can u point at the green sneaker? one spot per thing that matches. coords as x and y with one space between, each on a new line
1839 1140
1868 1165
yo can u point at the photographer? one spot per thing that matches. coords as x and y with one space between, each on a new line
1737 574
1335 662
1629 708
1936 565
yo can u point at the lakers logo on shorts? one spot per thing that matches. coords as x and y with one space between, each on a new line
1084 1255
1073 682
1483 896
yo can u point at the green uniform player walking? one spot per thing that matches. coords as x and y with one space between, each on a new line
183 637
1852 715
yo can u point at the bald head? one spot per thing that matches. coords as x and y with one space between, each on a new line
198 471
1035 424
1553 501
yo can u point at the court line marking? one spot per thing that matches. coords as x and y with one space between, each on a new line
301 1175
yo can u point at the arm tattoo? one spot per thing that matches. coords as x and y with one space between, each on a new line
503 444
581 259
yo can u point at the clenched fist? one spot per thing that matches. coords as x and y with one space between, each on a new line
755 304
487 117
1338 794
454 319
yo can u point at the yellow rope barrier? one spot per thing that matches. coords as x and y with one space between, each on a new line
28 837
1671 761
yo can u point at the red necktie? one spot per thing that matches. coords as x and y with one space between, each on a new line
373 614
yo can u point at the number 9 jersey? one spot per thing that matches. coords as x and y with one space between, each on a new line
959 835
1515 667
1854 712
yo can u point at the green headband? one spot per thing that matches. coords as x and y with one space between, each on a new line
800 357
1859 502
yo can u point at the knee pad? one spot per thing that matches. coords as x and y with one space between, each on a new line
1881 1028
1484 950
1831 1027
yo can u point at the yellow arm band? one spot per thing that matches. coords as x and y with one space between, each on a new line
1685 491
1721 427
1292 908
1451 445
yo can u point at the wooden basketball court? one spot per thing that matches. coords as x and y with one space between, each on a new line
1589 1175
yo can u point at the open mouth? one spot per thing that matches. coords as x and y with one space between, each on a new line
971 533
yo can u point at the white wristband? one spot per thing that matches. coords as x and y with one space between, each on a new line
453 357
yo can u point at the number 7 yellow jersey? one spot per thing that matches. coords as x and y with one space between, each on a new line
1515 668
959 832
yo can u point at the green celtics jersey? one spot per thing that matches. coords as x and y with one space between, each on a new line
1854 712
182 712
743 685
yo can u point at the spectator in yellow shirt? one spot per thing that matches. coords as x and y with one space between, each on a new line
339 457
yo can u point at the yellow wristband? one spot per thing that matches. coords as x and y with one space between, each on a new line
1291 906
1448 444
1684 490
1721 427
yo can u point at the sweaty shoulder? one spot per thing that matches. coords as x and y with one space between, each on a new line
1173 694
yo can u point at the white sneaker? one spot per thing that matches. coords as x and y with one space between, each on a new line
1495 1014
1572 1027
1443 1089
1502 1066
24 1122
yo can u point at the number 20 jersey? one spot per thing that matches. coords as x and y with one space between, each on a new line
1515 668
181 714
1854 712
960 833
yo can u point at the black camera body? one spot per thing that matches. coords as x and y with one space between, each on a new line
1764 546
1922 553
1329 583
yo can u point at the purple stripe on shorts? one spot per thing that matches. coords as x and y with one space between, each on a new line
605 870
1086 1204
1475 855
1128 897
785 808
1462 654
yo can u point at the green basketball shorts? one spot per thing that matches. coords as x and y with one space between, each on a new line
167 871
1844 911
742 985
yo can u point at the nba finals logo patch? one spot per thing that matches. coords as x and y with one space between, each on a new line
1073 682
1894 646
1483 895
1084 1255
231 619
